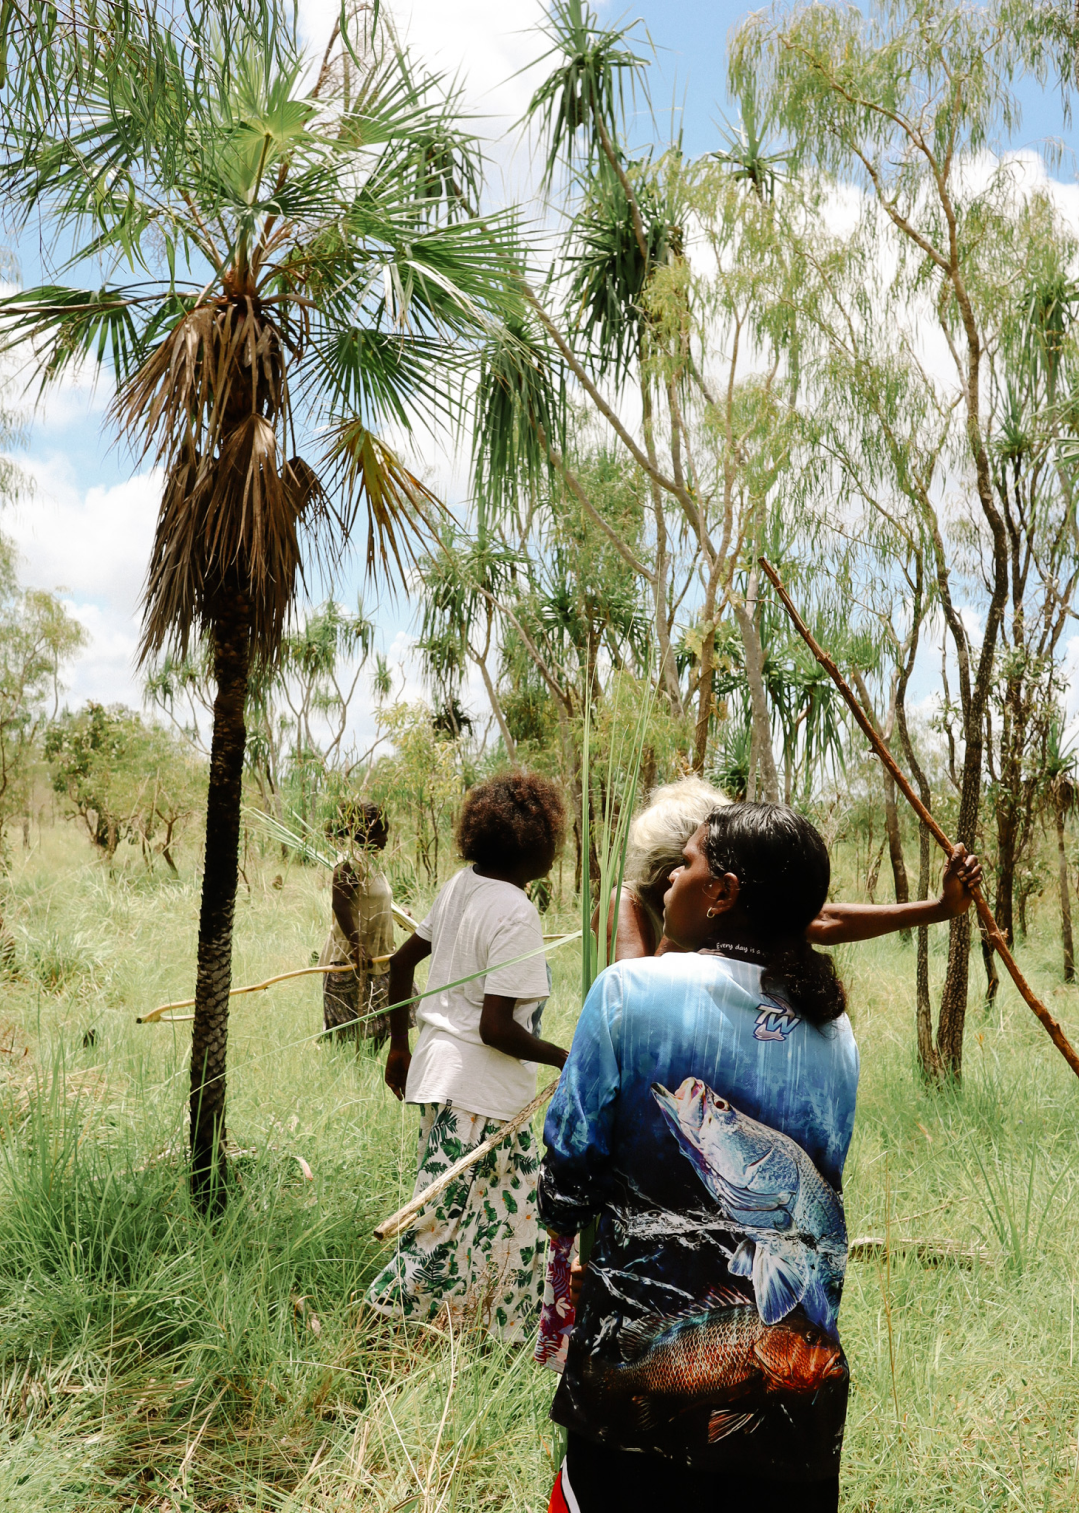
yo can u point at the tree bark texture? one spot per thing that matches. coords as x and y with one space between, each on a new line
1065 899
762 758
928 1057
895 845
209 1041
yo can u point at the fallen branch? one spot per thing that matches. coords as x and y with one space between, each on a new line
985 914
405 1217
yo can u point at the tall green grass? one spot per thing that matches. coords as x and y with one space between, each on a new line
150 1361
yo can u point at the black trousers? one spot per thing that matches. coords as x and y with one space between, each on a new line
621 1481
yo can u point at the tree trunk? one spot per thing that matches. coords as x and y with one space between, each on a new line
1065 900
928 1059
895 845
1004 903
496 709
761 754
209 1040
989 961
891 810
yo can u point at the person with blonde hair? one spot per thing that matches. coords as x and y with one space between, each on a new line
676 810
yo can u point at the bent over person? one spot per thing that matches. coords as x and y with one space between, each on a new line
361 930
703 1119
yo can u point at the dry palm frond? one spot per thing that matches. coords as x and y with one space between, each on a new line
399 506
212 401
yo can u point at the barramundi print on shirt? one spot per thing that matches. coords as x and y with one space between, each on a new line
794 1239
705 1124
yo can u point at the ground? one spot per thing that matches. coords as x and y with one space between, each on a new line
148 1361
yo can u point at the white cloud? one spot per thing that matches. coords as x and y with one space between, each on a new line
92 545
93 542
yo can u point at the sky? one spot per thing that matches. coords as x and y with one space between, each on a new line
85 528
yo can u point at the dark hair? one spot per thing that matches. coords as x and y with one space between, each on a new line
510 818
783 872
358 819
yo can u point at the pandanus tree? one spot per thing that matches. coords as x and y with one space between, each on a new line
295 266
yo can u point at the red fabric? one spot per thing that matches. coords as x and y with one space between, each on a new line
557 1314
558 1503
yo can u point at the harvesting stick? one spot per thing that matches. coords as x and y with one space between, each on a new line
985 914
154 1016
403 1219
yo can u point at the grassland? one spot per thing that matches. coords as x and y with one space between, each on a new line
148 1361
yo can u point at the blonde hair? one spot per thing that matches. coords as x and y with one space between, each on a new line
659 832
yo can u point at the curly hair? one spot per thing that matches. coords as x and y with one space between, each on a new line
509 819
782 866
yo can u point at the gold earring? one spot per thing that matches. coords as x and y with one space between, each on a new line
711 913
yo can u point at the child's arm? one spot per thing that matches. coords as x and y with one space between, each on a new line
501 1032
403 964
838 923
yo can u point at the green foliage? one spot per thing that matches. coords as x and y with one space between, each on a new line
583 97
125 780
420 784
37 636
125 1316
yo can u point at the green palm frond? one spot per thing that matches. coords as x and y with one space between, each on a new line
583 97
520 415
745 152
399 508
607 273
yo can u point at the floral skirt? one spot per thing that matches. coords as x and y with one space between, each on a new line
475 1251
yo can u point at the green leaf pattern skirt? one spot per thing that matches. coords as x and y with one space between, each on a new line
475 1252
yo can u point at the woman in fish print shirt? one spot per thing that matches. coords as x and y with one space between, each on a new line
703 1117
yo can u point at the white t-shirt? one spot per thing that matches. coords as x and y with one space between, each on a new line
476 923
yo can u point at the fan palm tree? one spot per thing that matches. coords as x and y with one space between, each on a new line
292 261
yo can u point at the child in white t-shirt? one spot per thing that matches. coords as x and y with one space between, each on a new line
475 1250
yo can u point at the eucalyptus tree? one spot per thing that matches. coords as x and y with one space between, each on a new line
274 259
700 351
897 104
37 637
1034 410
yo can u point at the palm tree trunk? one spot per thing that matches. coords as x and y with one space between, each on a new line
232 650
1065 900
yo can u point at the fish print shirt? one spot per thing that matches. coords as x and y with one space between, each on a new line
704 1124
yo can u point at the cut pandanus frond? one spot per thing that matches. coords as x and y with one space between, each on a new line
628 739
627 743
302 841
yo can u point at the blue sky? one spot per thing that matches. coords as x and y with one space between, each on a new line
87 528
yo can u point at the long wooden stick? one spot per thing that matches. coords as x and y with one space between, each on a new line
252 987
985 914
154 1016
405 1217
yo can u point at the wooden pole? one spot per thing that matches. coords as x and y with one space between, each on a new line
985 914
252 987
154 1016
405 1217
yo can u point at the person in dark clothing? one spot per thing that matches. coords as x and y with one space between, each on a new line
703 1119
